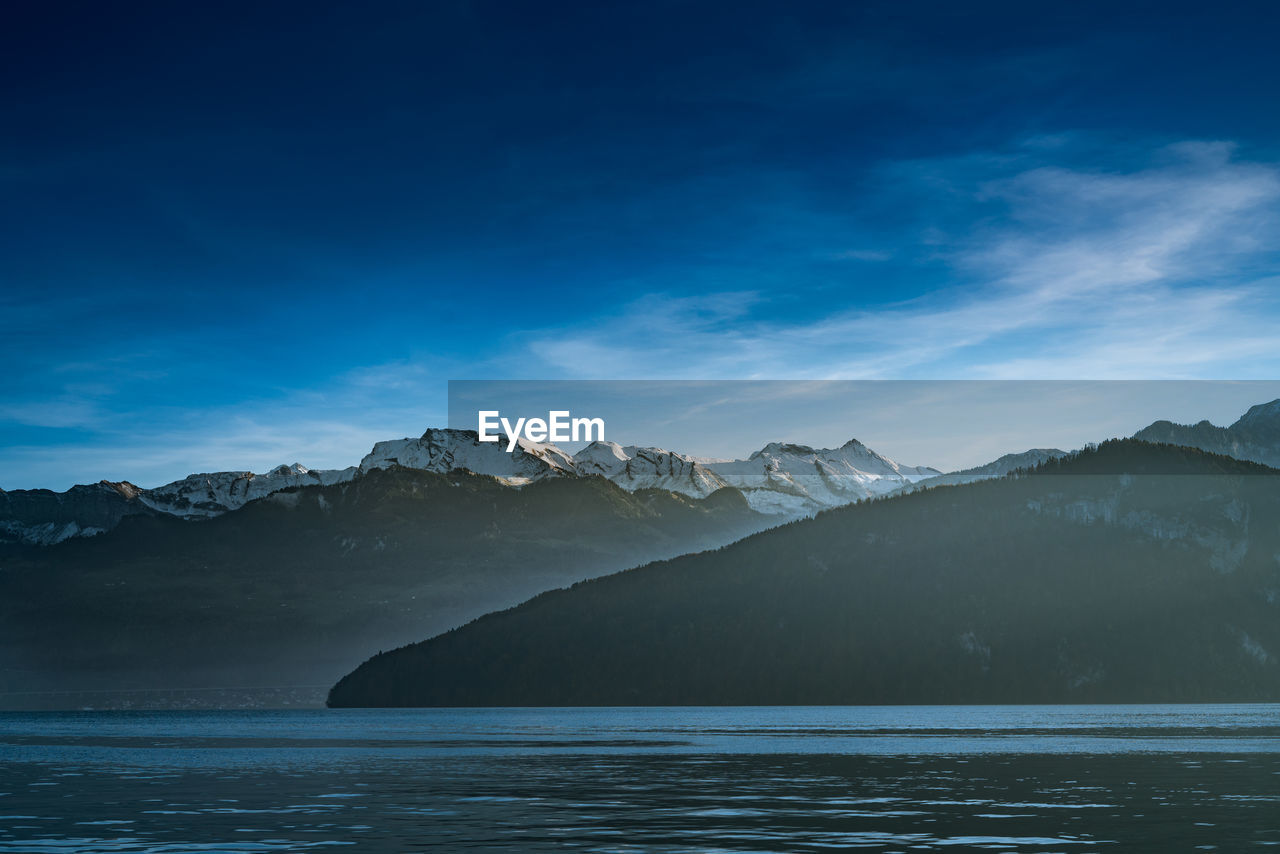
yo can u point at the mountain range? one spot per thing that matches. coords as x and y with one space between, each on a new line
294 576
783 480
1254 436
235 580
1126 572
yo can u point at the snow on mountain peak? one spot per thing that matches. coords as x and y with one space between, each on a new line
287 471
777 449
787 478
781 478
633 468
214 493
445 449
601 455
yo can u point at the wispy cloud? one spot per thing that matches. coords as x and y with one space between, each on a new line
1158 271
1162 267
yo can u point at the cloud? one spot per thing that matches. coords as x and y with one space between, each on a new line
653 334
1158 271
1158 266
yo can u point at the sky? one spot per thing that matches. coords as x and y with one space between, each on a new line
235 235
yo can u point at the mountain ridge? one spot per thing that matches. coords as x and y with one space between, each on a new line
1125 572
780 480
1253 436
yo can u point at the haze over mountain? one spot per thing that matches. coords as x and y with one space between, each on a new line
293 576
1122 573
296 588
1006 464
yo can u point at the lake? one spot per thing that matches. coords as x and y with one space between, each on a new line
1004 778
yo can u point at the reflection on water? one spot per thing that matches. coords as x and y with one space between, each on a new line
1146 778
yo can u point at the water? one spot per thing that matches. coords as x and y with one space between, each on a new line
1024 778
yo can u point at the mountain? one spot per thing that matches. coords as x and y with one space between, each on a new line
1254 436
1126 572
792 480
1006 464
443 450
206 495
41 517
782 480
295 588
633 467
1013 462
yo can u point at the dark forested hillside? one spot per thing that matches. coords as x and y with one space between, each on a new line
1126 572
296 588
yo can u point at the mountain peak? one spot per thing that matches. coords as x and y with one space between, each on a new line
791 448
782 478
1263 414
283 470
124 488
442 449
1255 436
600 454
1028 459
448 434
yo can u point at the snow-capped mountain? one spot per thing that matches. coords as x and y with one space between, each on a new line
212 494
785 480
635 468
43 517
780 479
443 450
788 479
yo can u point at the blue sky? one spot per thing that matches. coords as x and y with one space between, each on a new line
238 235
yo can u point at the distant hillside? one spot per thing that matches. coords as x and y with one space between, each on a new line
1007 464
1254 436
296 588
1125 572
